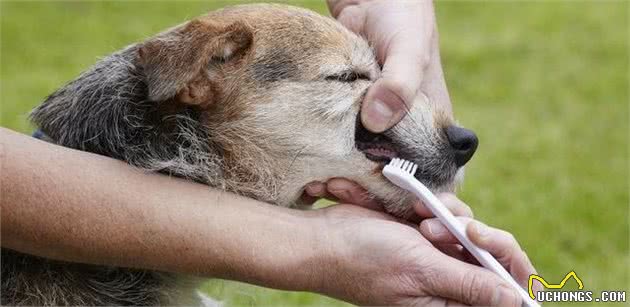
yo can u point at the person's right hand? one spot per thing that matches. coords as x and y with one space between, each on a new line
375 260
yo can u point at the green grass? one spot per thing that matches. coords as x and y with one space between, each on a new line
544 84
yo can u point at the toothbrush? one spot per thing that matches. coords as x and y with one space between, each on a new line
401 173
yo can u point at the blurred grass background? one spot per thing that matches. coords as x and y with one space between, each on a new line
544 85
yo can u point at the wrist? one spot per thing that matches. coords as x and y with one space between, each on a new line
329 274
276 247
320 261
301 259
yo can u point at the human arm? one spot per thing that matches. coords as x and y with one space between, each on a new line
75 206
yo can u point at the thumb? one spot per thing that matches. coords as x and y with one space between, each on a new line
472 285
391 95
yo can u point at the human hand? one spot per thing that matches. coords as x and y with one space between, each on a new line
500 243
376 260
405 39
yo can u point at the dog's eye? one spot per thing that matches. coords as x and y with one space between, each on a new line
347 77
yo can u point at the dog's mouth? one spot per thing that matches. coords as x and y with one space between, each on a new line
376 147
380 148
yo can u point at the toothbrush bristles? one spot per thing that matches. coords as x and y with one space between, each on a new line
404 165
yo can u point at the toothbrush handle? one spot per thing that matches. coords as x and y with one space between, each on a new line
459 231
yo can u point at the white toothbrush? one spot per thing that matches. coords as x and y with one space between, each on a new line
400 172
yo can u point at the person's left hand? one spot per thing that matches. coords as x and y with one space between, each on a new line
405 39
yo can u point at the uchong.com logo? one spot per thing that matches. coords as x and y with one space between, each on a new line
581 295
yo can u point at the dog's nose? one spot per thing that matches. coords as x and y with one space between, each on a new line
463 142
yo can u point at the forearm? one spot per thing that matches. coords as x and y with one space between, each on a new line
75 206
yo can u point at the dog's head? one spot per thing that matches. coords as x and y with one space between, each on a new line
256 99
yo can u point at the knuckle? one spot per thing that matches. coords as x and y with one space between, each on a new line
454 204
509 240
465 220
528 262
448 197
471 287
510 237
518 259
402 89
511 256
469 211
515 247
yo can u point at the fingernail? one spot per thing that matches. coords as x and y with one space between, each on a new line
378 116
436 229
315 189
504 296
339 185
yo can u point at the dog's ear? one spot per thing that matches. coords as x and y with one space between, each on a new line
176 65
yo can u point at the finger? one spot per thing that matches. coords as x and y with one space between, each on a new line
307 199
454 250
316 189
352 17
469 284
405 54
503 246
499 243
452 203
430 301
433 83
348 192
349 210
311 193
434 231
458 252
390 97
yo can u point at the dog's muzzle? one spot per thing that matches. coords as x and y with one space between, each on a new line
437 166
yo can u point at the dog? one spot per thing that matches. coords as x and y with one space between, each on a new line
258 100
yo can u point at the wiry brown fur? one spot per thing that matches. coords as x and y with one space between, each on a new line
33 281
240 99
